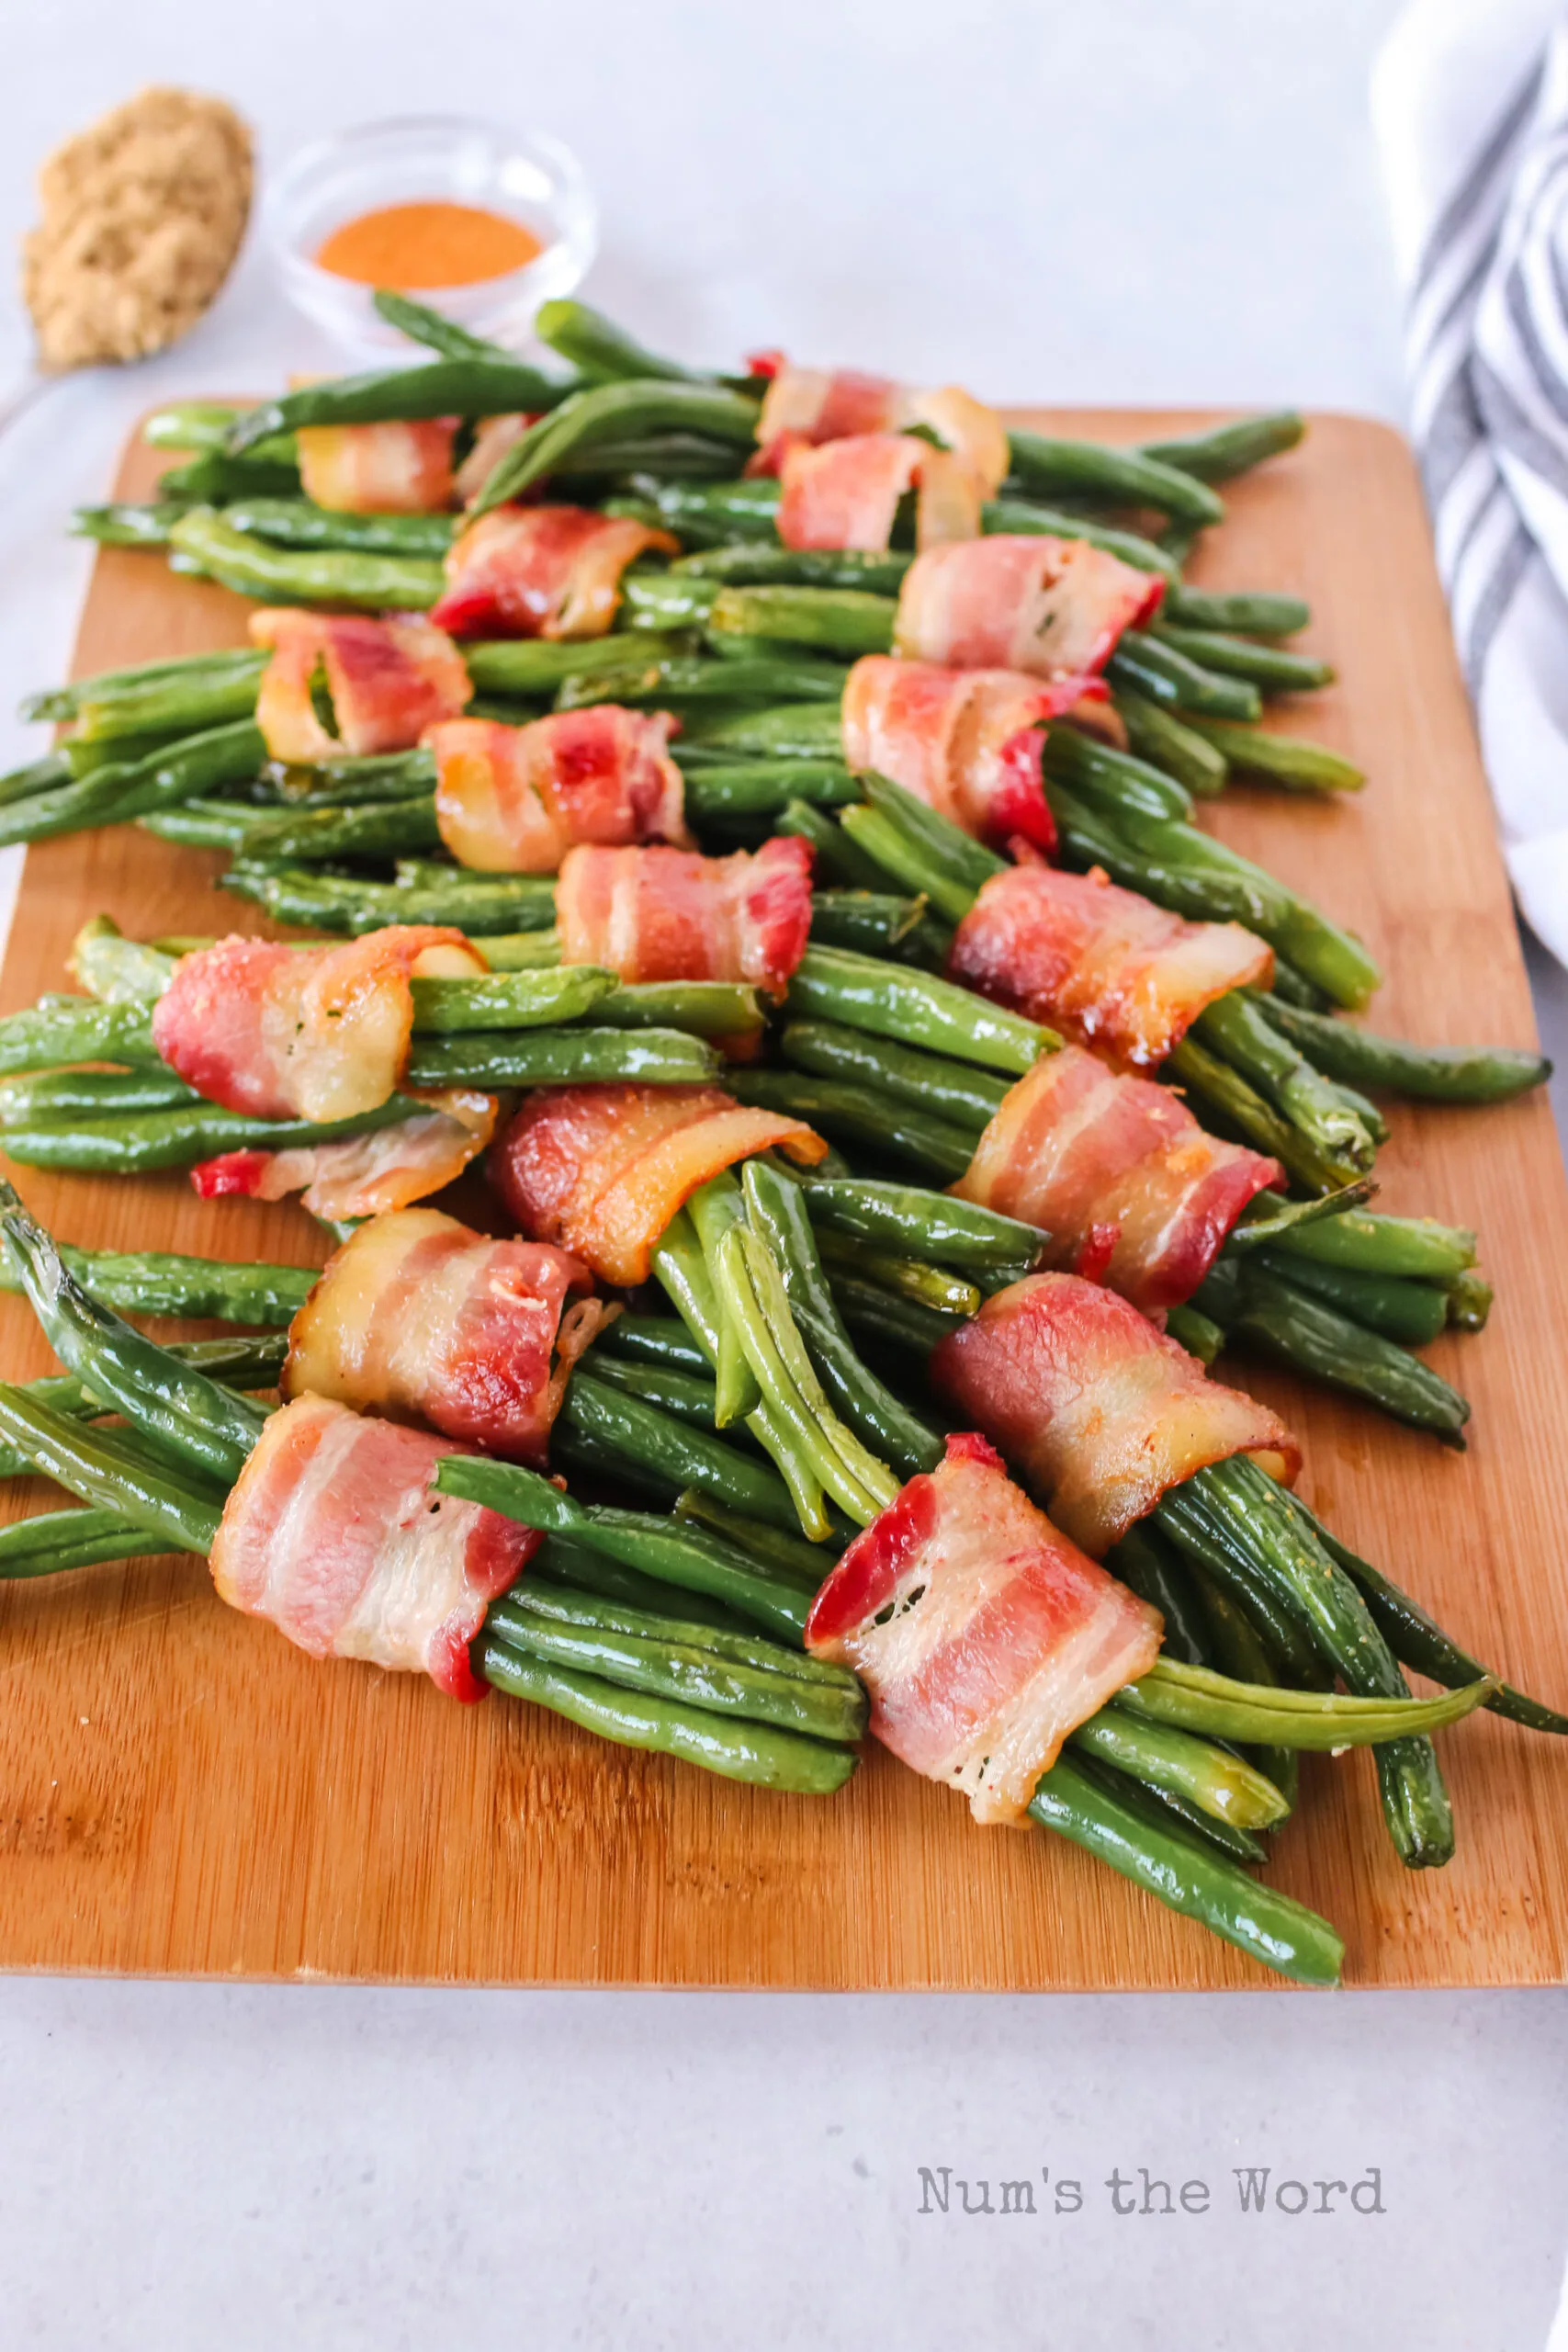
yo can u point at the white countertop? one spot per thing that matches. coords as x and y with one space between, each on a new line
1128 203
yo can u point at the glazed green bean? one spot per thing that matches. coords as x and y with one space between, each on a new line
202 541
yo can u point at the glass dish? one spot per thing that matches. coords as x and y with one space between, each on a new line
525 174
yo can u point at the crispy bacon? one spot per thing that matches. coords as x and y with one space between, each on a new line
1119 1173
515 800
846 494
333 1533
667 914
965 741
808 406
1100 1413
601 1170
420 1318
540 571
1106 966
1053 608
390 468
306 1033
983 1635
387 680
366 1174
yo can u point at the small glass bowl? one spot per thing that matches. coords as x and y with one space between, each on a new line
526 176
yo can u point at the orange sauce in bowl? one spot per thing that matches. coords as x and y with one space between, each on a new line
427 244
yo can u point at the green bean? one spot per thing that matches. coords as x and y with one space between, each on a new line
969 862
1022 517
1199 1334
914 1278
166 1282
1239 1032
123 525
144 1141
1213 1707
777 1759
673 1552
299 523
1411 1312
187 700
606 413
1112 476
1285 760
665 1665
1229 449
661 1340
75 1029
686 679
956 1092
684 1395
1157 670
142 678
115 969
1158 737
1470 1297
38 776
831 1685
469 387
1429 1073
238 1364
856 1114
192 425
112 794
1416 1247
869 923
844 621
1164 1756
803 732
1239 613
882 1421
677 1455
836 856
1238 1498
1234 1643
714 1208
726 1011
439 333
916 1009
1312 1338
900 1218
382 830
789 1558
765 787
215 479
1267 667
96 1466
561 1564
56 1540
203 542
1112 780
508 1000
877 839
494 1059
61 1094
178 1408
601 351
1419 1641
536 666
708 514
1187 1876
477 903
743 563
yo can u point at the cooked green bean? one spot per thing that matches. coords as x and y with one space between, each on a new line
1429 1073
508 1000
1313 1338
98 1466
1286 760
765 787
1112 476
1240 612
1112 780
916 1009
956 1092
1239 1032
477 903
1164 1756
904 1219
496 1058
1230 449
1025 517
176 1138
854 1113
299 522
1166 676
157 1282
470 386
610 412
1267 667
1156 735
202 541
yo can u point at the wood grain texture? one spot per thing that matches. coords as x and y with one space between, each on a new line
180 1791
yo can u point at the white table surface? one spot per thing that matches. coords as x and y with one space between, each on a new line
1128 203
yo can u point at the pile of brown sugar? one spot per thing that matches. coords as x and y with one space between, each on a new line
143 216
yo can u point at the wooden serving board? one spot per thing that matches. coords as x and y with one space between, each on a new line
181 1791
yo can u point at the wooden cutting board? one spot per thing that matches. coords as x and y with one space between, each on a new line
180 1791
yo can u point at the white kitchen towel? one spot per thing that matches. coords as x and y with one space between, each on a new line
1470 100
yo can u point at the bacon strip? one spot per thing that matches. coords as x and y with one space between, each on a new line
983 1635
601 1170
495 436
1125 1182
388 680
667 914
846 494
333 1533
540 571
420 1318
303 1033
1100 1413
813 406
1106 966
1053 608
515 800
389 468
965 741
367 1174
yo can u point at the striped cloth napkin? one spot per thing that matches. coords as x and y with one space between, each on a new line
1469 101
